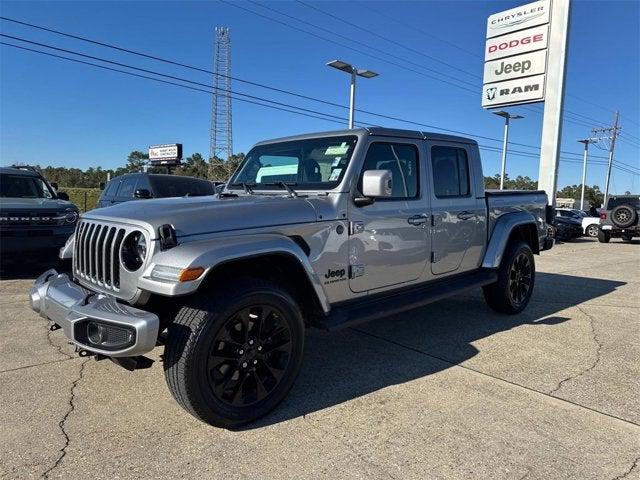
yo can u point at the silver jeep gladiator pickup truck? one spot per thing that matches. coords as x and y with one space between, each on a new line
324 229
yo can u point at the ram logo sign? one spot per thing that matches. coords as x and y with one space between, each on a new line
514 91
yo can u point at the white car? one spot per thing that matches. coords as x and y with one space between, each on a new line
589 224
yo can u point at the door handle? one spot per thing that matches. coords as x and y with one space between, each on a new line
466 215
417 219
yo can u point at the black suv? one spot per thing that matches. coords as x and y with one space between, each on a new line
620 218
135 186
34 217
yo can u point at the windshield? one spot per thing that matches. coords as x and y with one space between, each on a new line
23 186
313 164
174 186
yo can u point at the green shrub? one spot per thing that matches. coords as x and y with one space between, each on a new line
84 198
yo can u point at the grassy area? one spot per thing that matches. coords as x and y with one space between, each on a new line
84 198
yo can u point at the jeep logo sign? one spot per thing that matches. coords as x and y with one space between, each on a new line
515 67
516 55
513 91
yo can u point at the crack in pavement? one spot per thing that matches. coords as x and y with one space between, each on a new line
596 341
628 472
36 365
57 347
62 423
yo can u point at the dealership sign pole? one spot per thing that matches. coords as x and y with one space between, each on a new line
525 54
552 123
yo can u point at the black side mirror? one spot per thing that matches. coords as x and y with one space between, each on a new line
142 193
54 185
102 184
63 196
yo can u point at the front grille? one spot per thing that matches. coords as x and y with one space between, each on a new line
97 253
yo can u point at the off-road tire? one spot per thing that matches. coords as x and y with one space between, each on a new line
195 329
592 230
624 216
604 236
499 295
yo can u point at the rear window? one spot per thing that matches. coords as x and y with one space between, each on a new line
175 186
614 202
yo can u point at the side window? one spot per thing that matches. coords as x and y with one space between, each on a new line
126 189
450 172
402 160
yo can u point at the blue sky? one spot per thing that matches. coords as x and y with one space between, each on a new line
58 113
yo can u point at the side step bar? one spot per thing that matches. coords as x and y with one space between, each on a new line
385 304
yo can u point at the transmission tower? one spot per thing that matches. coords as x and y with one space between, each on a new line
608 135
221 147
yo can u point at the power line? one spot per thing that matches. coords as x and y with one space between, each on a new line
235 5
320 115
390 40
279 90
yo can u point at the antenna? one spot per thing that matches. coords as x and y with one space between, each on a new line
221 146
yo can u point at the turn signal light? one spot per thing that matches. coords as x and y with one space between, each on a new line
189 274
603 216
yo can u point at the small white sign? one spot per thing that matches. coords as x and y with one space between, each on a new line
165 152
515 67
525 41
522 90
519 18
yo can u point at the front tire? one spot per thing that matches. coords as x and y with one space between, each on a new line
516 279
603 236
231 357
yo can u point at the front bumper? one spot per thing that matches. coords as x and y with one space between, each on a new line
34 240
55 297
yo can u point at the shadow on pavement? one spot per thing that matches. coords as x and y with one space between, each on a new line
344 365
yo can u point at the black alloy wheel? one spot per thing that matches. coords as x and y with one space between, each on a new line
520 278
249 355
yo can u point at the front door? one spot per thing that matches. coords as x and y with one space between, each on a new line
458 216
388 243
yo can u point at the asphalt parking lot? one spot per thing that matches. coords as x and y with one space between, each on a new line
445 392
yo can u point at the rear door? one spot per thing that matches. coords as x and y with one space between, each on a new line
457 215
388 242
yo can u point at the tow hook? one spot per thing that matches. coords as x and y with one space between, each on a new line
84 353
53 327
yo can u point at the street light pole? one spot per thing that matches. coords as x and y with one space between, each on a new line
353 71
352 98
586 142
505 142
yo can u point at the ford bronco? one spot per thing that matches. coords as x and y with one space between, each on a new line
325 229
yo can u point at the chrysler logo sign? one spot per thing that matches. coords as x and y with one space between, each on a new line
526 16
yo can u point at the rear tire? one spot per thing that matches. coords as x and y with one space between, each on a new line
232 356
604 237
592 230
516 279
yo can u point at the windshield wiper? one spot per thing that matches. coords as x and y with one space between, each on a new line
287 186
247 187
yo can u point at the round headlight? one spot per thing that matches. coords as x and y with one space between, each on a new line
134 251
71 217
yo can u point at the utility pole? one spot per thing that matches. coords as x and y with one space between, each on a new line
586 142
610 134
505 142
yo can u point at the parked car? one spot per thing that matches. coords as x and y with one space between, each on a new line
589 224
325 229
136 186
620 218
34 217
567 228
